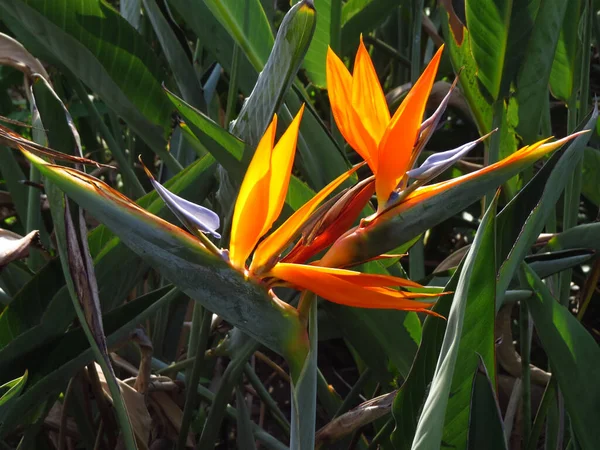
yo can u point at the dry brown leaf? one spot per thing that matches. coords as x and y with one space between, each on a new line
171 411
136 409
13 54
14 246
356 418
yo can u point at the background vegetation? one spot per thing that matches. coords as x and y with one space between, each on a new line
515 366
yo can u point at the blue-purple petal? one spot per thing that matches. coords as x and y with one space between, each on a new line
194 217
438 162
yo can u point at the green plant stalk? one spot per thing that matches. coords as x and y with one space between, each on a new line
219 405
584 75
233 85
34 215
492 154
304 386
117 151
197 319
335 25
354 392
113 387
588 289
538 424
570 202
416 260
391 51
335 36
176 367
266 398
525 370
415 52
327 397
207 395
384 432
194 378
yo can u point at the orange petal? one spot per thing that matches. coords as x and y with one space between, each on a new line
339 86
523 157
252 206
368 99
273 244
396 146
351 288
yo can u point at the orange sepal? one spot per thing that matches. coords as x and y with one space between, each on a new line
368 98
397 144
273 244
263 190
352 288
339 87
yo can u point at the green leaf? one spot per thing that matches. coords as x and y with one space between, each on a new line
316 56
591 174
9 393
562 76
182 259
213 36
486 429
182 68
98 45
531 228
470 331
581 236
304 391
245 437
497 32
248 25
534 75
71 352
382 236
574 356
228 150
277 75
362 16
30 303
411 396
385 340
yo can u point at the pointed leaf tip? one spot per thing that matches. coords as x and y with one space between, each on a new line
196 218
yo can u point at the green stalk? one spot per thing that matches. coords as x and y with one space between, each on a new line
328 398
230 378
194 378
383 433
335 25
570 202
335 34
493 149
34 215
354 392
416 255
415 52
386 48
538 424
266 398
525 370
233 86
207 395
117 151
176 367
196 325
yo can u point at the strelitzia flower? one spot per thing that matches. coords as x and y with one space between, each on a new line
259 204
361 113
